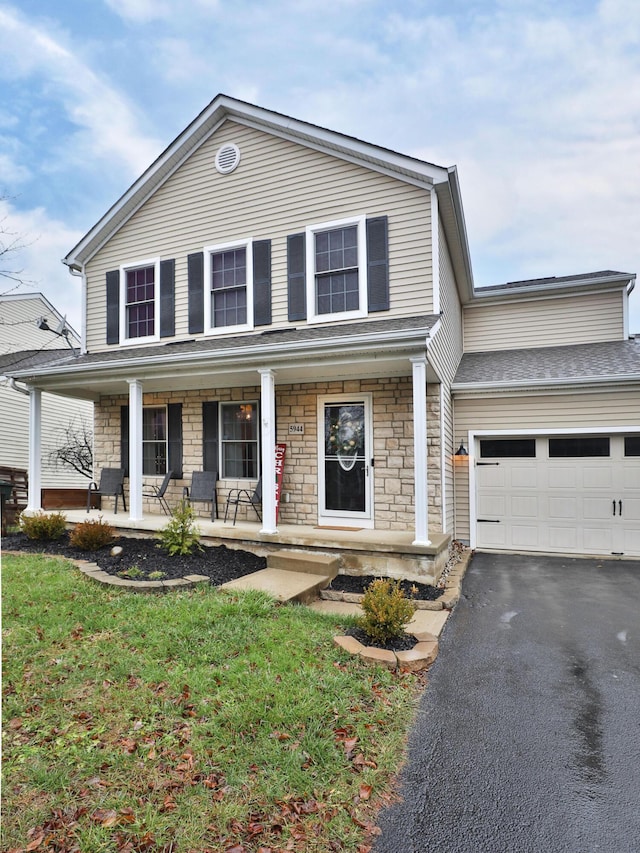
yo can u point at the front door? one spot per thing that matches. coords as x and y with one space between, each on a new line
344 461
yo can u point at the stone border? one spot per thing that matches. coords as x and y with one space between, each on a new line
420 657
424 653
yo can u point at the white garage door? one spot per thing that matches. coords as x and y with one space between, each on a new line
565 494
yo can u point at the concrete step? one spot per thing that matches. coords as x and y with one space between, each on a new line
302 561
284 584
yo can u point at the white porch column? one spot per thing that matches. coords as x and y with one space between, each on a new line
135 449
421 496
267 415
34 498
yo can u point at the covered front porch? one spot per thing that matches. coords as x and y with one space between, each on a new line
388 553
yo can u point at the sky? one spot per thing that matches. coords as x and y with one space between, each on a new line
537 103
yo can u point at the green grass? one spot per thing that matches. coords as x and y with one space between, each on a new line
189 721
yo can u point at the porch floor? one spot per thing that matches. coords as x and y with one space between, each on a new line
362 552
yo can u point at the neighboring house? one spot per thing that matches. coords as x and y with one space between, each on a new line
21 341
269 281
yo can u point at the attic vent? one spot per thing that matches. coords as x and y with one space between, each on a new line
227 158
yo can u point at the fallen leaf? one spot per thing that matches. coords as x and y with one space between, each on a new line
365 792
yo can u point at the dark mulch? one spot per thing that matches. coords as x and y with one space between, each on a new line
398 644
420 591
220 564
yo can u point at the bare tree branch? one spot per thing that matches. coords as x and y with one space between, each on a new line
76 448
11 244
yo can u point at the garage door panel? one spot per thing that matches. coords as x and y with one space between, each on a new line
596 508
522 477
598 476
492 535
491 476
525 536
525 506
492 505
563 506
599 539
562 477
563 538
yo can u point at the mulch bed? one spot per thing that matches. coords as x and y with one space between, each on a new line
220 564
403 643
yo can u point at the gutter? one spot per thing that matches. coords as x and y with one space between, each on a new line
469 388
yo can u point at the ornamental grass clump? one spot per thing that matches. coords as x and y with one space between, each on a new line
387 611
181 536
91 535
43 525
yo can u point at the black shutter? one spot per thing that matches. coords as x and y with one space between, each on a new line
262 283
167 298
377 264
195 276
124 439
210 436
113 307
174 428
296 276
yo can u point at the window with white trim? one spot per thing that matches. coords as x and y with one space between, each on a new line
239 458
229 291
336 270
155 448
139 285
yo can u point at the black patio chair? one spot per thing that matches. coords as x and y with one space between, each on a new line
157 492
242 496
204 487
111 484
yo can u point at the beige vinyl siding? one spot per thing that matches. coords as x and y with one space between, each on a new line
445 352
278 189
543 412
558 321
57 413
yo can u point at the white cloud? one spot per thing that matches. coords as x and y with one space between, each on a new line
144 11
108 122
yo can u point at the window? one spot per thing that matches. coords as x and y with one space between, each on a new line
154 440
562 448
337 270
139 286
239 444
507 448
632 445
230 291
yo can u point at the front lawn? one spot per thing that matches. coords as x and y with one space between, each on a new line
189 721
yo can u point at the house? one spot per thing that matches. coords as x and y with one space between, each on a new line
28 324
270 282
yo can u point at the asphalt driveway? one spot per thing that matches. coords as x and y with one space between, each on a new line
528 735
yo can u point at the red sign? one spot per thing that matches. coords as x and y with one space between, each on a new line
281 450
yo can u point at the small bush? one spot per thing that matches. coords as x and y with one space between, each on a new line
181 535
91 535
386 610
43 525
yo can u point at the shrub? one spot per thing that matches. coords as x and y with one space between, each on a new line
386 610
43 525
181 535
91 535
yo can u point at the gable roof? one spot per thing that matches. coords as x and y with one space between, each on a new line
603 363
222 108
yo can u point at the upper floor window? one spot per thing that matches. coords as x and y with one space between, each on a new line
336 270
139 302
229 295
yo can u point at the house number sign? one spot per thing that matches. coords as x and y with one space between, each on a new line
296 429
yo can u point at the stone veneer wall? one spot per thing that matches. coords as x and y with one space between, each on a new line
297 403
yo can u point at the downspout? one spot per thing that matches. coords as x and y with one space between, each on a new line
79 272
11 382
